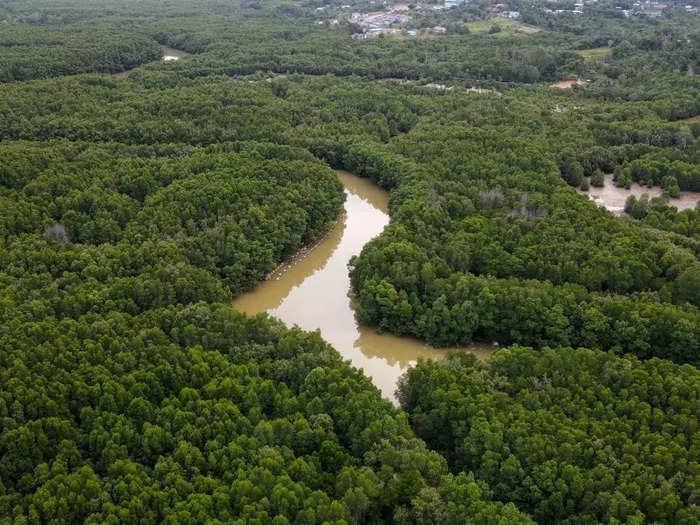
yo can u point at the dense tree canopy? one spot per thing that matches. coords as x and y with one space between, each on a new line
132 207
197 414
31 52
571 436
136 215
120 403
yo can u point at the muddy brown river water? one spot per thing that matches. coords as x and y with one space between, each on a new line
314 293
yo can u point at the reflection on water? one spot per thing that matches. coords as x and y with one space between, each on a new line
613 198
313 293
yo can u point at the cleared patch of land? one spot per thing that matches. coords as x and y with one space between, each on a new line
508 26
566 84
596 53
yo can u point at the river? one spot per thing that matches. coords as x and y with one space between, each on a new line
313 292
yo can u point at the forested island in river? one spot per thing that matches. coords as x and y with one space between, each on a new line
345 262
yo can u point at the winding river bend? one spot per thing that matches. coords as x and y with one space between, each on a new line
314 292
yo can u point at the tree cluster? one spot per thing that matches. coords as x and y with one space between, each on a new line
571 436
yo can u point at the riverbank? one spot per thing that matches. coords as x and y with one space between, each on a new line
304 251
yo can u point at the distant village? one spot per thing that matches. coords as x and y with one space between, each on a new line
648 8
392 19
374 24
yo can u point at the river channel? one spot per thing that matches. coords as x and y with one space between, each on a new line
313 292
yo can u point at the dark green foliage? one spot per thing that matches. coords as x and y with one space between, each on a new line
526 260
125 399
673 176
230 216
571 436
664 217
623 179
571 169
482 205
197 414
307 49
637 208
31 52
598 179
670 186
132 208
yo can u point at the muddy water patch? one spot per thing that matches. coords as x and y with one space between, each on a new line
167 54
613 198
170 54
